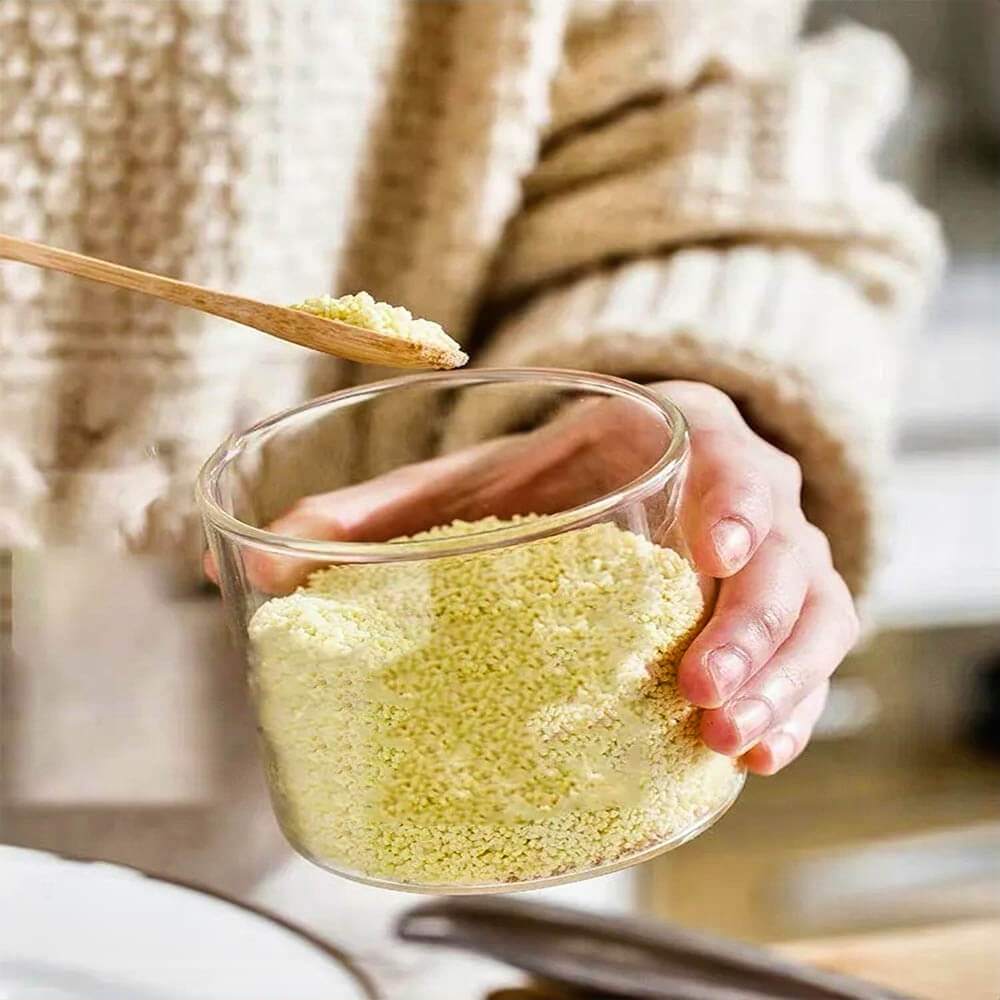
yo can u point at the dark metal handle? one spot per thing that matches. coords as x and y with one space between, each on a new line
622 957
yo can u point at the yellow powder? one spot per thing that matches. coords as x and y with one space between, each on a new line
380 317
498 717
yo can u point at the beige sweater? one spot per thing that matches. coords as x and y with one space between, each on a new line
669 189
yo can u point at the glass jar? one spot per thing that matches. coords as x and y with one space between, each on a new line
462 598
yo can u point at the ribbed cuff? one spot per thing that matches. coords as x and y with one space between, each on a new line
810 360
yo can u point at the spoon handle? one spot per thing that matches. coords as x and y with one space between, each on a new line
233 307
297 326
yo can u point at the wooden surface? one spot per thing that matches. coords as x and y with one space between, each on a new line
948 962
298 327
958 961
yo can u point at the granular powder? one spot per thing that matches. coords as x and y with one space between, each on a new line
380 317
488 718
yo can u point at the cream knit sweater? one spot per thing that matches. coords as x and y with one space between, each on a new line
678 188
652 189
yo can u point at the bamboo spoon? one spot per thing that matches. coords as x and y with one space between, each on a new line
327 335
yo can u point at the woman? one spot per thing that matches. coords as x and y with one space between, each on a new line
679 192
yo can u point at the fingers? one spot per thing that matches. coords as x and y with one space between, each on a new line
784 618
738 484
504 476
782 745
728 505
728 508
276 574
824 633
555 467
400 502
376 510
755 613
321 518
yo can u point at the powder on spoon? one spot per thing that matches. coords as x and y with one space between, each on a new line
489 718
380 317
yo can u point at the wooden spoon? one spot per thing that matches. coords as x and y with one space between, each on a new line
327 335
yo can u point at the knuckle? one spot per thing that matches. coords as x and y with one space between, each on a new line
791 553
747 499
773 620
791 471
844 614
713 440
713 396
844 592
791 681
852 625
707 399
817 544
754 490
782 465
716 445
841 624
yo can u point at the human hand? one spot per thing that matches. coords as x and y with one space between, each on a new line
783 619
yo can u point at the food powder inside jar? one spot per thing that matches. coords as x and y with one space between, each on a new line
498 717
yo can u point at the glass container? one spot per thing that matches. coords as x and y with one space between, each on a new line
461 599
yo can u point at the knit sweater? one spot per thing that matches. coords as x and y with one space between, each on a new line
680 188
658 190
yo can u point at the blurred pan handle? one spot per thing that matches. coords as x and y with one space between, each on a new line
622 957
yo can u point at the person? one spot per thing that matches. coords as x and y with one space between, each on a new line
679 192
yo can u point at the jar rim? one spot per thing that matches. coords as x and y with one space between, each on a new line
650 481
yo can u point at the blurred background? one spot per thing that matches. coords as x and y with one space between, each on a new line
891 816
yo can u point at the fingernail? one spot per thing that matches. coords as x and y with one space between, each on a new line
750 718
728 667
781 747
732 542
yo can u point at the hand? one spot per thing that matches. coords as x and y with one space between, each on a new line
784 618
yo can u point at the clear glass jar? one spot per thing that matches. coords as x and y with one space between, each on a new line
491 704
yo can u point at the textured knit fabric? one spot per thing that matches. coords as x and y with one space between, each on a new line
796 307
210 141
678 188
616 52
193 140
779 158
766 326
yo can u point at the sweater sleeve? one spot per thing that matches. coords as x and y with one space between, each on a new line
737 233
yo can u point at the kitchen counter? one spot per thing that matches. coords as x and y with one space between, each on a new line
952 961
958 961
947 962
